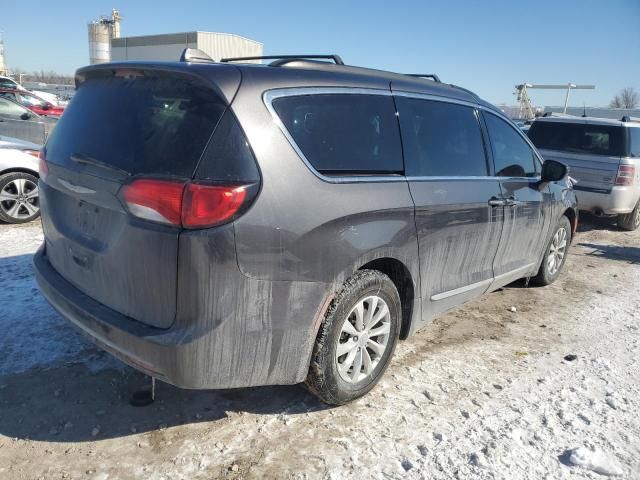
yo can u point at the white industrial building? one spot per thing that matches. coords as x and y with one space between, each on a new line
168 47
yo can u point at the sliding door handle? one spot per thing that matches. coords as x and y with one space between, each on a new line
497 202
511 202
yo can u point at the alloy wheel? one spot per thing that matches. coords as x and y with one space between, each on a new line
364 338
557 251
19 199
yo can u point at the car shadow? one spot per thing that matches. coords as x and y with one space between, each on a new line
72 404
57 386
626 254
589 222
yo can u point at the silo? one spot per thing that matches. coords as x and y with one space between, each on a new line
101 32
99 42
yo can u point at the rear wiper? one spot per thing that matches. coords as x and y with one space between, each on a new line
87 160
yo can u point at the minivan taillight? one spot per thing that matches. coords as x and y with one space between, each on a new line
43 169
626 175
209 205
155 200
189 205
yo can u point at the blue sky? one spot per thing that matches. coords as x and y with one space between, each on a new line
487 46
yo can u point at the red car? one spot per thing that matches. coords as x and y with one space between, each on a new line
32 102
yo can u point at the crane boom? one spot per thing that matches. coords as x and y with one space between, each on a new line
526 109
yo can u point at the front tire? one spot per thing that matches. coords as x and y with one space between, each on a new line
555 254
356 339
630 221
19 202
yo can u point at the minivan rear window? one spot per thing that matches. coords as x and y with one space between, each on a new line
151 123
578 138
344 134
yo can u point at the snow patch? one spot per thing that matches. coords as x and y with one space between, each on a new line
593 459
34 335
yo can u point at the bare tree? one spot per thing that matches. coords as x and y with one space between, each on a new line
627 98
50 77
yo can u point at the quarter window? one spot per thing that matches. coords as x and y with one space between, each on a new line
512 155
441 139
634 142
344 134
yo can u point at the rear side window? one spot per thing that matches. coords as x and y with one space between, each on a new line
441 139
634 142
342 134
512 155
578 138
148 123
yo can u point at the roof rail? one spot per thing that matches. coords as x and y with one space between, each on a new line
195 55
336 58
432 76
627 118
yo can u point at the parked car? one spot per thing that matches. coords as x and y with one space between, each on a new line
52 98
604 157
18 180
289 227
6 82
17 121
32 102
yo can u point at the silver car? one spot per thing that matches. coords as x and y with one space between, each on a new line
17 121
604 157
19 201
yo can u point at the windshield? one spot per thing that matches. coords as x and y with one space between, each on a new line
31 101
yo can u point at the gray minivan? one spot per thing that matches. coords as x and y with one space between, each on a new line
604 157
221 225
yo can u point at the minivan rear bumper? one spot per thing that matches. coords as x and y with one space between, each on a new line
621 199
188 356
146 348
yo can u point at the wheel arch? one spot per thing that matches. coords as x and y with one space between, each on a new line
401 277
572 214
19 170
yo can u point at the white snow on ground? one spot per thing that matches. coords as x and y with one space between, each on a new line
484 409
482 393
593 459
33 334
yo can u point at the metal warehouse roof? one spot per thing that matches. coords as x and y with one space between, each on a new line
173 38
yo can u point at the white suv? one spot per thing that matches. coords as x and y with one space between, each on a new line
603 155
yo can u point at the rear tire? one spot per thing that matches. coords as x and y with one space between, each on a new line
19 201
630 221
356 339
555 254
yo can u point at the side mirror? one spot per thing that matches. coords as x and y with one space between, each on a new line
553 171
25 116
46 107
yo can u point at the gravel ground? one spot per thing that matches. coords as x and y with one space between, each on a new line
484 392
